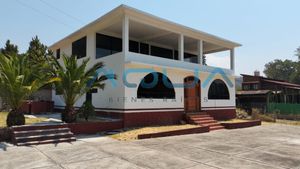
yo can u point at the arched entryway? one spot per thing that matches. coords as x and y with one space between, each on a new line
192 94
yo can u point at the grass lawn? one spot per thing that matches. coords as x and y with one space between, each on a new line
132 133
3 116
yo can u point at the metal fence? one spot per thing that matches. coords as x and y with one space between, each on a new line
284 108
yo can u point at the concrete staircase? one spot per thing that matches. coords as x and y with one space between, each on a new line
203 119
41 134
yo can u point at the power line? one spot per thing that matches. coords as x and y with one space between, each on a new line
61 11
42 13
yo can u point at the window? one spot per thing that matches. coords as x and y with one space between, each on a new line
133 46
79 48
218 90
159 90
144 48
255 86
246 87
107 45
162 52
190 58
176 56
57 53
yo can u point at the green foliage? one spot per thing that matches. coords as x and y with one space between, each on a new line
38 52
281 70
9 49
204 60
298 53
75 81
18 80
87 110
287 70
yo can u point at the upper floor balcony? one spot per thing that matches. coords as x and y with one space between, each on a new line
145 38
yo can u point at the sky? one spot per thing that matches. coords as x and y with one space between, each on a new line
267 29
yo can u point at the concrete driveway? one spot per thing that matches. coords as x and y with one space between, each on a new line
268 146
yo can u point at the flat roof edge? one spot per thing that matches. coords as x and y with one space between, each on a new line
122 9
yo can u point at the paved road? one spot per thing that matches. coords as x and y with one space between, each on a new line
264 147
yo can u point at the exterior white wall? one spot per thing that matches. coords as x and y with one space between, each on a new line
120 97
111 96
176 75
115 62
136 78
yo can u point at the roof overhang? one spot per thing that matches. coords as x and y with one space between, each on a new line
142 17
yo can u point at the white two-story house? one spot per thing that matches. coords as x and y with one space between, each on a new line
159 68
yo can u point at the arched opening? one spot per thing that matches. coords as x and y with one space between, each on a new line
218 90
156 85
192 94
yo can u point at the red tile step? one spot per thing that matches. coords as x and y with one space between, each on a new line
45 134
204 120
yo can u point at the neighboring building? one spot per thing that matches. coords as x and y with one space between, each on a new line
238 83
260 92
139 47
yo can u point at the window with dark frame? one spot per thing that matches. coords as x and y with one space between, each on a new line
218 91
107 45
162 52
246 87
144 48
57 53
159 91
133 46
190 58
79 48
176 56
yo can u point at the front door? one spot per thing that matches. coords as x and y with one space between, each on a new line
192 93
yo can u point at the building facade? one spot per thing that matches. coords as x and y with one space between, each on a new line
263 93
159 68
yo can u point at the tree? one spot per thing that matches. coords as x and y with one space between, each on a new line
75 81
295 76
37 51
204 60
18 80
9 49
281 70
298 52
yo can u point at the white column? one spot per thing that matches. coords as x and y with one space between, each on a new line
125 34
181 47
232 60
91 45
200 51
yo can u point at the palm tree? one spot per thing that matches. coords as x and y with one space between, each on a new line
75 81
19 78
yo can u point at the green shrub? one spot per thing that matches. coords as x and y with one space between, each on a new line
87 110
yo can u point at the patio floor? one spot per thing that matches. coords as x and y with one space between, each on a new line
267 146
